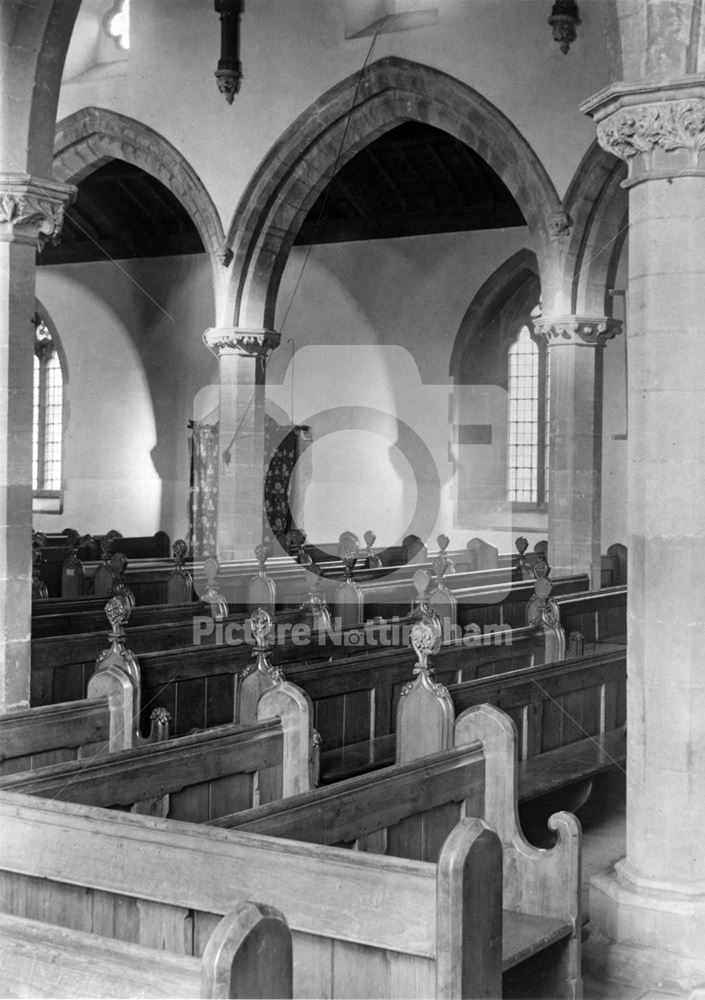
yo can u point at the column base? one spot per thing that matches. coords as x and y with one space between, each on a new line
646 936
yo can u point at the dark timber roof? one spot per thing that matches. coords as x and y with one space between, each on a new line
121 212
414 179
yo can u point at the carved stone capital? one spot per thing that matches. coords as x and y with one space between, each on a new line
659 133
582 330
31 209
240 341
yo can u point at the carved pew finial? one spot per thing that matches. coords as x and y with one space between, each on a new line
316 604
424 639
442 564
180 549
159 719
441 600
212 596
425 715
349 600
348 552
261 675
420 606
261 626
117 611
373 560
262 590
542 610
118 566
40 590
179 583
525 569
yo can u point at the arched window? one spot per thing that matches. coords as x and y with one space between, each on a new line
48 417
527 446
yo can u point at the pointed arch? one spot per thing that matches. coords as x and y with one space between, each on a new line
92 136
598 205
387 93
514 284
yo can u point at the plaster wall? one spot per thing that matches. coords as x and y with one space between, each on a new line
371 325
131 332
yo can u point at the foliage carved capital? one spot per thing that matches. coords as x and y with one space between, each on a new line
31 209
243 342
659 132
582 330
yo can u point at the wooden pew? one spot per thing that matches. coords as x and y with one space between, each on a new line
355 695
196 777
598 618
103 721
87 621
247 954
408 810
570 716
553 704
55 617
62 664
362 924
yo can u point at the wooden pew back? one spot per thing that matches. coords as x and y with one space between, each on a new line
409 810
248 954
194 777
103 721
359 922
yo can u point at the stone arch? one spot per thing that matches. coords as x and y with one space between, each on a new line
516 278
92 136
387 93
598 205
35 41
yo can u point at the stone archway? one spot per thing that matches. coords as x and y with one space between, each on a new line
92 136
386 93
598 205
510 278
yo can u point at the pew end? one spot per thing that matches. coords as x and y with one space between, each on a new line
249 954
536 880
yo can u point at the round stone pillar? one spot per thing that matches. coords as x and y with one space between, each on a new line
241 357
650 910
31 211
575 441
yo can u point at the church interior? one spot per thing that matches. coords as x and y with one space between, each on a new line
376 351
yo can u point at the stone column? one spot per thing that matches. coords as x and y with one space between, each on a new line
575 442
31 210
241 357
651 908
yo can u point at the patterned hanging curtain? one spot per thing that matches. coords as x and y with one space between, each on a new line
204 490
281 453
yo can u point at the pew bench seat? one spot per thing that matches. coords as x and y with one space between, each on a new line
527 934
568 765
538 776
